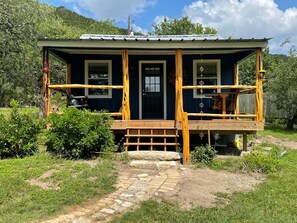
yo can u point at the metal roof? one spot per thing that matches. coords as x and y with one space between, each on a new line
165 42
152 37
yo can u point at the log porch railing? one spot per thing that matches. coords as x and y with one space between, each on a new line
125 113
240 89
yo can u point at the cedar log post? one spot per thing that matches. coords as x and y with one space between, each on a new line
178 85
236 99
186 138
68 78
259 85
46 77
126 86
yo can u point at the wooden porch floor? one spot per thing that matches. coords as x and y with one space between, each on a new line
228 126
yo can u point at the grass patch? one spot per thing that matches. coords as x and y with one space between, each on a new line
279 132
272 201
22 202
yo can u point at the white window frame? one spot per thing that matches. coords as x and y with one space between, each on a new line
109 62
198 62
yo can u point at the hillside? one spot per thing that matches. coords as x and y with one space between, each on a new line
87 25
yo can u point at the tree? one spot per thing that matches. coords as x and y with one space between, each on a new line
22 22
183 26
282 85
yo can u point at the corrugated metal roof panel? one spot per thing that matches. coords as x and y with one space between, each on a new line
152 38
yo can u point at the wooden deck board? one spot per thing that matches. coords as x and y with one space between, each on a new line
224 126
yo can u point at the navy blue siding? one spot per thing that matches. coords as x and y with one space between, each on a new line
113 104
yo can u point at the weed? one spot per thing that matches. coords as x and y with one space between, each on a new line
203 154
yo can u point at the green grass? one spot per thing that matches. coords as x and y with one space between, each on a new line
279 132
272 201
23 202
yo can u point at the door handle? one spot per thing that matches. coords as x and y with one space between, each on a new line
143 94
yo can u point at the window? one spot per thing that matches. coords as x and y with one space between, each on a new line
211 75
98 72
152 82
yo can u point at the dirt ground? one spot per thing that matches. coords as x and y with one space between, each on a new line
285 143
199 187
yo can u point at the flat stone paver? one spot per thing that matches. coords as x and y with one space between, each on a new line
133 186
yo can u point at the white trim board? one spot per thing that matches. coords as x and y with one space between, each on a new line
109 62
204 61
164 85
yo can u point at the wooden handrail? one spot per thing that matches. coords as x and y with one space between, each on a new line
85 86
222 115
113 114
219 87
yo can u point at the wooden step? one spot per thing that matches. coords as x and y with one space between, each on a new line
148 127
151 136
148 136
151 144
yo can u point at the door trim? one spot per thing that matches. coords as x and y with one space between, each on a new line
164 84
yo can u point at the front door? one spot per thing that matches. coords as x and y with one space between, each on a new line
152 91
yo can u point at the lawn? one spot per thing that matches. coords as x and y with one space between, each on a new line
69 182
275 200
279 132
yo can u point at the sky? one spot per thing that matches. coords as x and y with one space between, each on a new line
275 19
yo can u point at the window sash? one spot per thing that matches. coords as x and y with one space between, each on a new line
209 77
98 72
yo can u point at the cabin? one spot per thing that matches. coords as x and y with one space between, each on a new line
164 92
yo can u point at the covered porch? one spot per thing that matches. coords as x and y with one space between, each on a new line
224 120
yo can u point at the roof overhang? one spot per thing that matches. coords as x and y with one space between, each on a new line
155 45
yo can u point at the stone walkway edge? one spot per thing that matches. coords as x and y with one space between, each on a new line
133 186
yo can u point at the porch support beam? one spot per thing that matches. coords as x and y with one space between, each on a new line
186 138
259 85
178 85
244 141
46 81
126 86
236 99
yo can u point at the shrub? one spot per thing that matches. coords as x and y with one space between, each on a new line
18 133
203 154
79 134
262 159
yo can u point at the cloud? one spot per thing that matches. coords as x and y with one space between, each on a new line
113 9
137 29
246 19
77 10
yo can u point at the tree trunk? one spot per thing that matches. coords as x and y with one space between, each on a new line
290 122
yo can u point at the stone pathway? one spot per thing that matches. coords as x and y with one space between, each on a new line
134 186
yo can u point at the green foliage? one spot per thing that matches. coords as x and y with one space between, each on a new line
22 22
282 86
87 25
262 159
18 133
203 154
183 26
69 183
79 134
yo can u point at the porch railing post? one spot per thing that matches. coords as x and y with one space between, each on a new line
46 82
126 86
259 85
186 138
178 85
236 98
